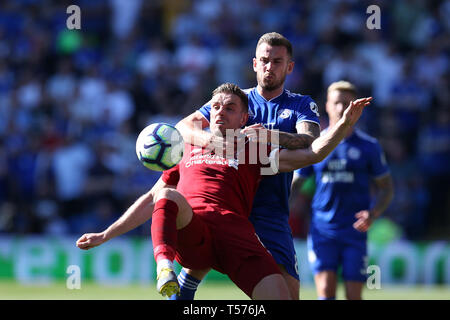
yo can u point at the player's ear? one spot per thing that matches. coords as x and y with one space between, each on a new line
290 67
254 64
244 118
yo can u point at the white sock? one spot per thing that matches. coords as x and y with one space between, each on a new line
164 263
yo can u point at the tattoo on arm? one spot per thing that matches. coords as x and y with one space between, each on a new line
307 133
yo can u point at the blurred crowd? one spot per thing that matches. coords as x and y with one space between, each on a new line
72 102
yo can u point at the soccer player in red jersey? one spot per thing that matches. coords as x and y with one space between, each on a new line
204 222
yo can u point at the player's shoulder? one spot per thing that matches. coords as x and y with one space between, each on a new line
366 139
300 101
295 96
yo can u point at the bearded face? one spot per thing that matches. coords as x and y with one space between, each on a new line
272 64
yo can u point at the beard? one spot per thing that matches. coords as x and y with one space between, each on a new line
272 84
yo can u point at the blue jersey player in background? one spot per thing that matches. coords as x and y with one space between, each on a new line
342 206
273 107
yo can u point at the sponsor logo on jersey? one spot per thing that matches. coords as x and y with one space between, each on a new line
211 159
341 176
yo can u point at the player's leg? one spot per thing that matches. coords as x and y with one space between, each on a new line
271 287
353 290
171 212
292 283
189 280
281 245
251 266
324 259
258 276
326 282
354 267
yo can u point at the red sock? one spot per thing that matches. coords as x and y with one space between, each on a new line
164 229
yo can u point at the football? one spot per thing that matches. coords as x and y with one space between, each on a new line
159 146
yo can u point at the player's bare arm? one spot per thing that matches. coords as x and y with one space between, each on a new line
307 132
384 188
191 128
138 213
290 160
296 185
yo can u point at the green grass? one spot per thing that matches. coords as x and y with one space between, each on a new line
10 290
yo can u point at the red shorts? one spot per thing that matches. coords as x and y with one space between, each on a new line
228 244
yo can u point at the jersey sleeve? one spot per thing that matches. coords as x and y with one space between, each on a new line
307 111
171 176
205 110
378 164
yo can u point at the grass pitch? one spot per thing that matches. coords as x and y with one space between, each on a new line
10 290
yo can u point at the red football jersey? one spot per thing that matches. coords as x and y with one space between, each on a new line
211 182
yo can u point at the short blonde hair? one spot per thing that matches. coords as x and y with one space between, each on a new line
342 86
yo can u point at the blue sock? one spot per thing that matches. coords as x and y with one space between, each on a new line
188 287
323 298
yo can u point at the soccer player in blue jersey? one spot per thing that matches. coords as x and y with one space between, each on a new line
342 207
297 119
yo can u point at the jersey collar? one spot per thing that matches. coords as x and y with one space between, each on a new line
260 98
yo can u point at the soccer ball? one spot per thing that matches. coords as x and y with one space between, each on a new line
159 146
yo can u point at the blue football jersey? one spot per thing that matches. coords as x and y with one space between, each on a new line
270 206
343 184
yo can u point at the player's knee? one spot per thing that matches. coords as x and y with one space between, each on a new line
170 194
184 214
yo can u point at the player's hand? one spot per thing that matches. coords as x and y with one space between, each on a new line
257 133
226 145
354 110
90 240
364 221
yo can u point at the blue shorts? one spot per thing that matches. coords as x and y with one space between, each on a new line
328 254
281 245
325 253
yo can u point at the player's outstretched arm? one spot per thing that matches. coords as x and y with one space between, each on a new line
307 133
290 160
138 213
191 128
